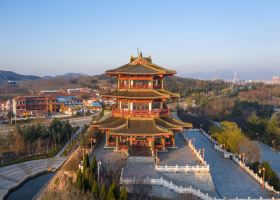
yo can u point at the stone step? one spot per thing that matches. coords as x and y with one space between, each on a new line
141 159
202 181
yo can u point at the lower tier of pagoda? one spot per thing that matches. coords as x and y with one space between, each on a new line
156 133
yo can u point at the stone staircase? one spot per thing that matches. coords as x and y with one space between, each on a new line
140 168
198 180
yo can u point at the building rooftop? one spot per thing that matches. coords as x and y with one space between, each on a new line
141 125
141 66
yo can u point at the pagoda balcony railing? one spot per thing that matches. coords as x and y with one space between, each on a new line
123 86
141 112
157 87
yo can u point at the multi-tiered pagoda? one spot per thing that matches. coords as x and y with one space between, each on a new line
140 118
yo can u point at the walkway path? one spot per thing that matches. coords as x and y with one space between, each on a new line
273 157
230 181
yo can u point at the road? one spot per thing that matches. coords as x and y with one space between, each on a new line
59 154
273 157
81 121
229 179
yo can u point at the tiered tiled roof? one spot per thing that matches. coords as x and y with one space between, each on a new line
141 66
141 127
171 123
110 123
154 126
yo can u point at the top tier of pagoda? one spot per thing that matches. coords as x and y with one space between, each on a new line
140 66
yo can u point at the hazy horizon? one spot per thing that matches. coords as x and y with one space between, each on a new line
57 37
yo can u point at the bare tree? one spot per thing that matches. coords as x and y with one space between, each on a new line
250 149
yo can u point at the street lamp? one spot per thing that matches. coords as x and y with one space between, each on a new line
242 155
202 152
262 170
257 134
273 143
98 170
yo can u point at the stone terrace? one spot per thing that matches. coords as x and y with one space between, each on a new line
180 156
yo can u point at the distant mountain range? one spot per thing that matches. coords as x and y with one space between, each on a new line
72 75
258 74
9 75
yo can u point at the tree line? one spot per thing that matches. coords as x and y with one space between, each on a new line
89 180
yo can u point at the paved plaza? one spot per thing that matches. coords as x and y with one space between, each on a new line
180 156
229 179
107 155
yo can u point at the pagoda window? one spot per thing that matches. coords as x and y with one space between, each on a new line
124 84
157 83
141 84
124 106
140 106
156 105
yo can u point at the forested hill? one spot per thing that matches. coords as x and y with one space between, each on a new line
9 75
185 86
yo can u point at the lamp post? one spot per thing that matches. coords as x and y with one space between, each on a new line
242 155
192 140
202 152
262 170
98 170
273 143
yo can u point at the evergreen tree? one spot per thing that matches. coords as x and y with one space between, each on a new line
112 193
123 194
103 192
95 190
91 178
93 165
79 179
86 164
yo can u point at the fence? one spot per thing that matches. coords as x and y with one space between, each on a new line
168 185
194 150
253 175
185 168
172 186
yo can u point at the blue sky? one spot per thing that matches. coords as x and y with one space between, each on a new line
58 36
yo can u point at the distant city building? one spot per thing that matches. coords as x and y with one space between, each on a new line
5 106
69 104
49 91
276 80
12 83
49 102
34 106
